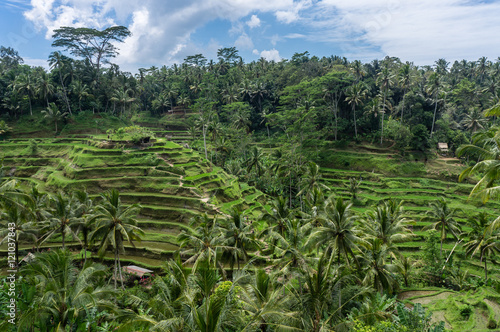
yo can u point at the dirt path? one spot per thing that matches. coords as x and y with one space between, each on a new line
406 295
430 299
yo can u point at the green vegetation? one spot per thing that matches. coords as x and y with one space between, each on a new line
295 195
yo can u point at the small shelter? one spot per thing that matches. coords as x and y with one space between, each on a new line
136 270
443 147
138 273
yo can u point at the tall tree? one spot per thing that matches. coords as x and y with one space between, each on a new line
94 45
354 96
58 61
443 220
115 225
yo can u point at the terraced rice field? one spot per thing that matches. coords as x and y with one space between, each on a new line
417 193
448 306
171 183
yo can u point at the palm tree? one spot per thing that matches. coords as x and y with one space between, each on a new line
44 86
405 78
338 234
388 223
266 303
320 284
354 97
57 60
311 179
52 113
16 221
87 212
357 70
353 187
115 225
63 217
474 121
205 243
378 272
238 234
443 220
278 216
405 265
434 86
483 239
64 294
384 80
123 98
10 194
486 148
25 84
255 160
81 91
375 308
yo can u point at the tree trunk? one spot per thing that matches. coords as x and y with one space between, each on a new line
205 141
403 108
120 268
116 270
29 100
63 237
382 133
64 93
354 113
434 117
485 270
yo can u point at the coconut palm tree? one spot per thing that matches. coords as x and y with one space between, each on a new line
339 233
483 239
238 234
204 242
52 113
443 220
255 160
115 225
434 87
485 147
375 308
405 80
63 218
354 97
44 86
311 179
384 80
377 271
17 221
266 304
64 294
81 91
388 223
57 60
25 84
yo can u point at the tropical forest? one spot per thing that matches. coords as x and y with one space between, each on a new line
307 194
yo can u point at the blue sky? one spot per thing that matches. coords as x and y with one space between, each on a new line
166 31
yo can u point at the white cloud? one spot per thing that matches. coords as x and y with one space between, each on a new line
36 62
295 36
160 33
417 30
244 42
254 22
293 13
256 52
271 55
